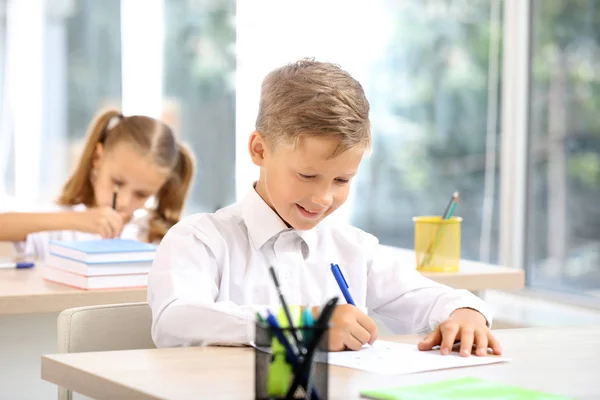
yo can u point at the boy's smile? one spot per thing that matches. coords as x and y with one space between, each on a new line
309 214
301 181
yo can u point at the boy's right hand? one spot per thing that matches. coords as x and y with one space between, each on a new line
350 329
103 221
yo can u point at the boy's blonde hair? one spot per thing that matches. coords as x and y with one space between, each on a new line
150 137
312 98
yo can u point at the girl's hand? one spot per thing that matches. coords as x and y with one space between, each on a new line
103 221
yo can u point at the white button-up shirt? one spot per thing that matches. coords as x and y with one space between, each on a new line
210 276
37 244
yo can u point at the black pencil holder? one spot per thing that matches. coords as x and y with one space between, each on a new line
267 369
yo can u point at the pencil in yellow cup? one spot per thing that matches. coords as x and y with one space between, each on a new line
437 240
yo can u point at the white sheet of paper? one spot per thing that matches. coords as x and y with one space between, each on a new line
400 358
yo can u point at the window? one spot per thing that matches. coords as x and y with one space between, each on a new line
432 126
83 76
6 175
563 238
93 60
64 65
84 55
424 67
199 93
431 70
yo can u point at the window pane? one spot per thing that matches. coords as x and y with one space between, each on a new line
82 74
94 61
429 98
6 148
199 90
564 151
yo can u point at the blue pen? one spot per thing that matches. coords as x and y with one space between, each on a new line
272 321
292 355
341 281
18 265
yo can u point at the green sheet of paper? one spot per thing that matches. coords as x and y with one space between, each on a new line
460 389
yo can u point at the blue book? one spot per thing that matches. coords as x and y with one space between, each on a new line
103 251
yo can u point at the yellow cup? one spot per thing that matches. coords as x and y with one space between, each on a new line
437 243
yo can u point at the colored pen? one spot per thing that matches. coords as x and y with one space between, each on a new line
341 281
114 203
260 318
18 265
451 206
286 310
292 355
280 369
291 352
301 371
308 322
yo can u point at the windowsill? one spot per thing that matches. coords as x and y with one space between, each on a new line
588 302
532 307
525 308
591 303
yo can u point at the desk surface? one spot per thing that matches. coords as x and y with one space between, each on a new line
562 361
25 291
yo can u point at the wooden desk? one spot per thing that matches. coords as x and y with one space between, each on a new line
29 307
474 276
562 361
24 291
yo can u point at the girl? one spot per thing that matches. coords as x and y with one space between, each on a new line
126 160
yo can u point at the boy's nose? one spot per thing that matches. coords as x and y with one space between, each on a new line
324 199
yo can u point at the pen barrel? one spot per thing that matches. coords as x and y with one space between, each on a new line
342 283
274 370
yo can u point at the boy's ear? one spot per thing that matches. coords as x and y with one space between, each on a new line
257 146
98 153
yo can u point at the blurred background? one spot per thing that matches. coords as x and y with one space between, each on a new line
496 99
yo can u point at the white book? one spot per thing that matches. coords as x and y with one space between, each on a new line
103 251
97 269
94 282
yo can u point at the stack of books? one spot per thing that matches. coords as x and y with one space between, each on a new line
99 264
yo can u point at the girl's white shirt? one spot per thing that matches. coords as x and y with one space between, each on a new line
36 244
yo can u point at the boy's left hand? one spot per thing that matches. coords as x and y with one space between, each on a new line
468 326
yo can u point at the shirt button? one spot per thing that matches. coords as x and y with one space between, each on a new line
287 275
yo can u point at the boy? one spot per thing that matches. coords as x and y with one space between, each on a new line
210 275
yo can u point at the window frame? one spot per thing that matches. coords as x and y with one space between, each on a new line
515 133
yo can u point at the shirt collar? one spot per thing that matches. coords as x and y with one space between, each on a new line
310 238
263 223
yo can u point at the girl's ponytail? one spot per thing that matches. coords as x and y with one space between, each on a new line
78 188
171 197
